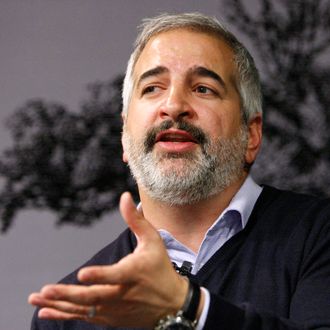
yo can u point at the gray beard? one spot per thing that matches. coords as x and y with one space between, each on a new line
183 179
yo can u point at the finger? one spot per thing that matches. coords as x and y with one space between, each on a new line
122 272
63 306
79 294
135 219
54 314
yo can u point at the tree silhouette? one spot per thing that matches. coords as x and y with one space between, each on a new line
70 162
66 162
291 40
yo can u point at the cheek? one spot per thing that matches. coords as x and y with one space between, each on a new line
212 124
228 123
140 116
136 128
218 118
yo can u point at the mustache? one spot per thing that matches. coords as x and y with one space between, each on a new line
196 132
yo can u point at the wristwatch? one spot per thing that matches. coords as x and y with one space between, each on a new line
185 318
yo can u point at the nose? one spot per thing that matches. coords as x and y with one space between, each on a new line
176 105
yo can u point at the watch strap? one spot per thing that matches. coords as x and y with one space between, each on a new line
191 303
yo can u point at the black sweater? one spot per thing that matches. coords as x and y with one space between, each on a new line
274 274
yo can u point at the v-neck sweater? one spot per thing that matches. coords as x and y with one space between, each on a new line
274 274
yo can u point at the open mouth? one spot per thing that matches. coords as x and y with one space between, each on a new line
176 136
175 141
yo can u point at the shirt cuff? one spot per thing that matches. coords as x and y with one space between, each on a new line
202 318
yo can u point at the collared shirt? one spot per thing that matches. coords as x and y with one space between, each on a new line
232 220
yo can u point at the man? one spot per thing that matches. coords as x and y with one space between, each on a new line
256 258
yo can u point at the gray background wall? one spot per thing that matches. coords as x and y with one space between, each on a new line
52 49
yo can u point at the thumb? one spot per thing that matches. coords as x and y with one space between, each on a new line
135 220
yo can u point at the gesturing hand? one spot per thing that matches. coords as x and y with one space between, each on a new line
135 292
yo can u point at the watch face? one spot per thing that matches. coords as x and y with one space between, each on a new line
179 326
177 323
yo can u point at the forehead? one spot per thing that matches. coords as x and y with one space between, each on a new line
181 49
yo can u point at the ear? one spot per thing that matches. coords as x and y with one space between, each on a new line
124 157
254 139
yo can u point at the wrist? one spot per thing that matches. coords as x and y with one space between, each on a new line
186 316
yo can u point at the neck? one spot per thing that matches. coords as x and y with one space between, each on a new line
188 223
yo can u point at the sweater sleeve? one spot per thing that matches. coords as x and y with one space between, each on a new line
226 316
309 306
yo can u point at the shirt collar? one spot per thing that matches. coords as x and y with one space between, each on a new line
243 201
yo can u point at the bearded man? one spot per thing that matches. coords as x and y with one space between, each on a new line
252 257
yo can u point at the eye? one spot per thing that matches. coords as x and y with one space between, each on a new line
205 90
149 90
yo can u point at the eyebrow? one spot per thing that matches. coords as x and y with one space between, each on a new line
197 70
204 72
158 70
